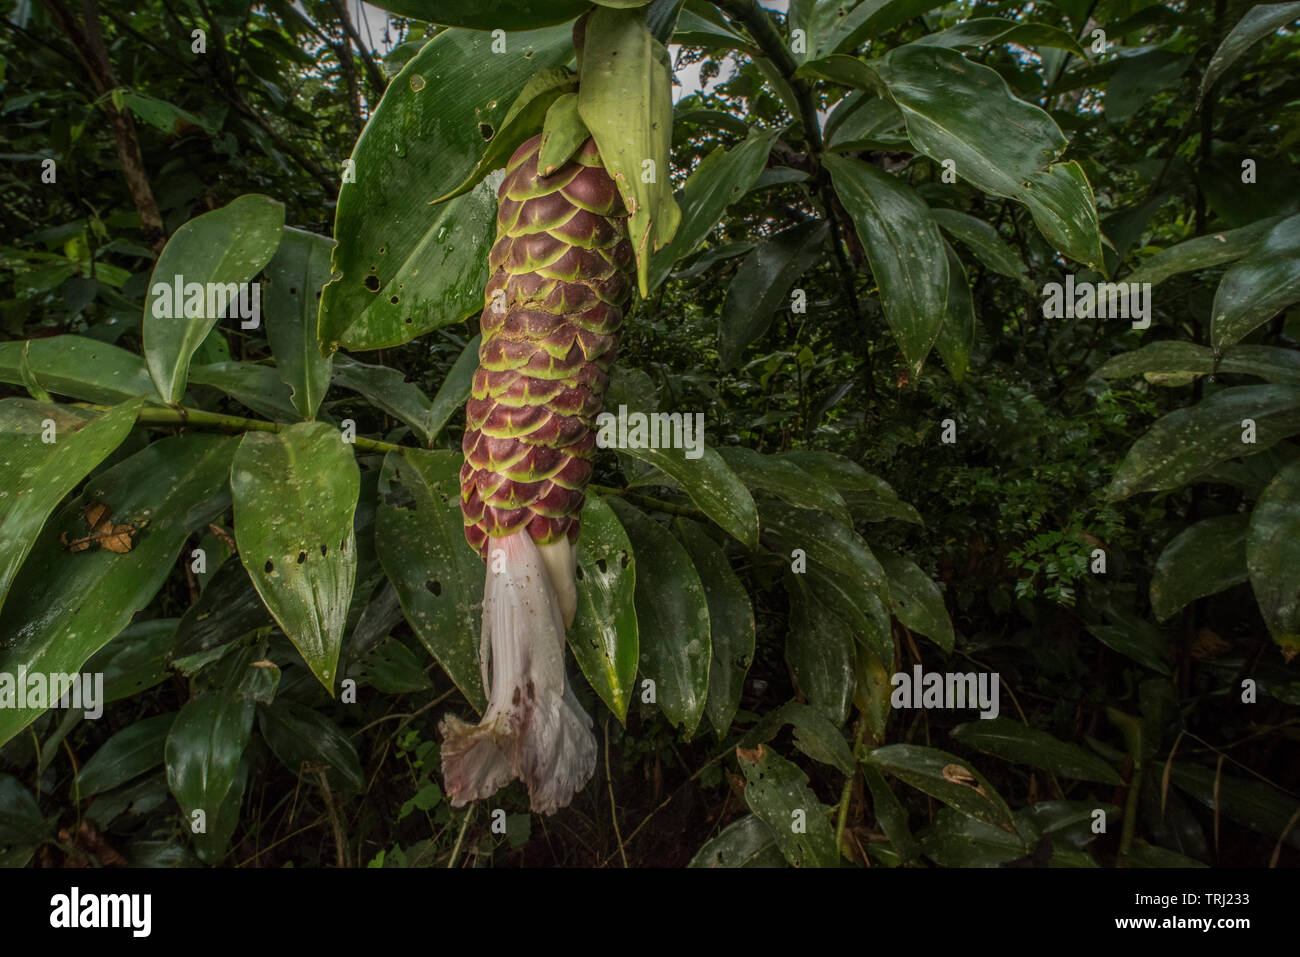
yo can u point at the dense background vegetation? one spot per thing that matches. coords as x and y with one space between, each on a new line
1122 682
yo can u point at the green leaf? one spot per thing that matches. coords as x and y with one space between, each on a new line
711 485
761 287
955 840
1140 78
672 619
295 493
1019 744
393 668
135 749
870 498
227 245
160 114
962 111
1175 359
1254 804
838 25
296 275
820 652
1259 21
867 122
1258 288
454 391
203 751
1273 555
846 575
784 479
917 601
258 387
228 608
1140 641
81 368
745 842
137 659
814 734
777 792
420 537
986 31
1060 200
299 735
625 100
1203 559
388 389
521 122
983 240
38 474
167 490
719 180
1187 442
30 382
1224 246
562 133
904 248
605 634
731 623
506 15
21 821
890 814
942 776
401 268
957 334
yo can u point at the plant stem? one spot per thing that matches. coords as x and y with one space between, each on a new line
181 417
847 791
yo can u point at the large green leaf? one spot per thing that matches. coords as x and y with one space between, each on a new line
731 623
625 100
203 751
1259 287
167 490
488 14
388 389
227 245
916 600
721 178
299 735
1203 252
955 840
1175 360
672 616
962 111
258 387
762 284
1259 21
905 249
1203 559
1006 739
784 479
1273 555
778 794
945 777
296 275
820 652
890 814
869 497
1254 804
522 121
712 486
605 633
984 241
402 267
1187 442
832 26
985 31
420 537
957 333
135 749
37 474
295 493
745 842
844 573
74 366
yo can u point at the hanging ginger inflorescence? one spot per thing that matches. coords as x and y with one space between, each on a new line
559 287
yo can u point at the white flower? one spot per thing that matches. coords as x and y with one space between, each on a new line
534 728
